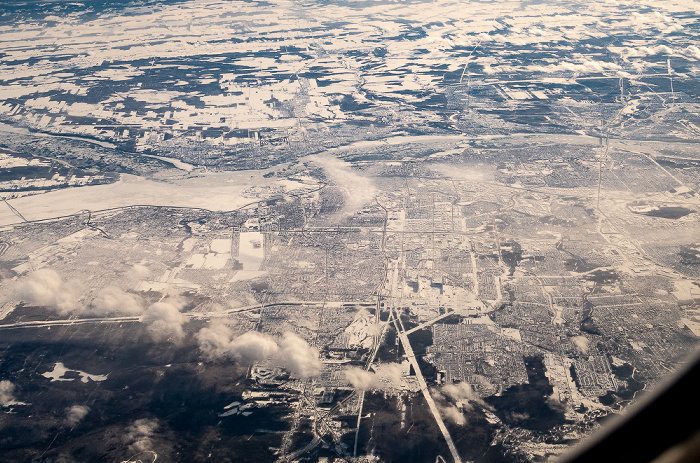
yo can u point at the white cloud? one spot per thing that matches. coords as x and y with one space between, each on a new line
650 51
139 272
361 379
214 341
461 393
217 342
292 353
454 399
298 357
643 51
139 433
582 67
502 69
75 414
7 393
671 29
692 52
64 458
453 414
114 301
359 333
664 24
385 376
252 347
46 288
165 321
581 342
390 373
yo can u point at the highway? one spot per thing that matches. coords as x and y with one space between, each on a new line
428 323
424 387
75 321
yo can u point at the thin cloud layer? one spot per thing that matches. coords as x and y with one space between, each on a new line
463 173
357 189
